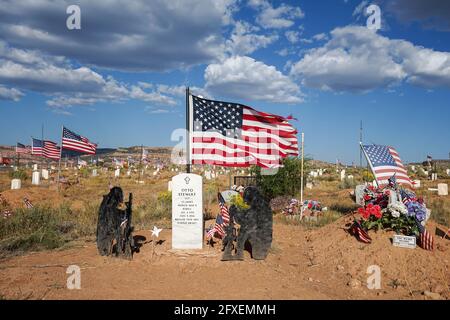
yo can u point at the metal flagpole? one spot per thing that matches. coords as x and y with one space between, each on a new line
301 179
188 132
60 155
360 142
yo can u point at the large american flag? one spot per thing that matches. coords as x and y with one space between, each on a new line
51 150
385 162
73 141
37 147
234 135
21 148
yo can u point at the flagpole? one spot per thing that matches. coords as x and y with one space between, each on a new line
301 179
60 155
188 133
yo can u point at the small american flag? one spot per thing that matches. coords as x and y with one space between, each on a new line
27 202
37 147
426 240
73 141
234 135
385 163
222 220
357 230
51 150
21 148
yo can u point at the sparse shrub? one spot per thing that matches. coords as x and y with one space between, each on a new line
347 184
285 182
19 174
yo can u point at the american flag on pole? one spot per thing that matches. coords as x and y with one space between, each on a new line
385 163
222 220
21 148
51 150
73 141
234 135
37 147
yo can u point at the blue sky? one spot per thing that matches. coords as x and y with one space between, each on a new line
120 79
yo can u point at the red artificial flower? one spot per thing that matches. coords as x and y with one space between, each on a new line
309 205
367 197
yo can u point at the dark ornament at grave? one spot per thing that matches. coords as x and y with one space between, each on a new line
114 225
255 228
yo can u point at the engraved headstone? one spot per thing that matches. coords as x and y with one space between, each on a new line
342 175
404 241
187 211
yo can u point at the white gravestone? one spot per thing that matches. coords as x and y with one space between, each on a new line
187 211
359 194
16 184
35 167
342 175
442 189
117 173
309 185
208 175
45 174
169 186
129 173
448 172
350 177
94 172
36 177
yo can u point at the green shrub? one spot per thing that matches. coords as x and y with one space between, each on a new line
286 181
19 174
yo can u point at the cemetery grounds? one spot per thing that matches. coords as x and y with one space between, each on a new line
308 260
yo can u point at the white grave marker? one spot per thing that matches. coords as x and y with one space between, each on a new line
117 173
16 184
35 167
187 211
342 175
442 189
35 179
94 172
404 241
45 174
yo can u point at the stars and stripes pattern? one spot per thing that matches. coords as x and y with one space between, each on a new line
28 203
73 141
357 230
234 135
222 220
425 239
385 162
21 148
37 147
51 150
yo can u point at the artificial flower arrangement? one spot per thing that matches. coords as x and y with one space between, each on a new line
393 208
